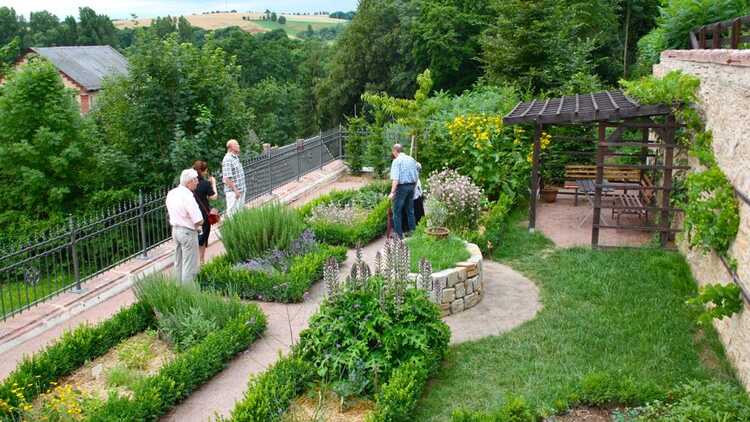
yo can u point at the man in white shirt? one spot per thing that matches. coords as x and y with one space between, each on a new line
234 178
186 220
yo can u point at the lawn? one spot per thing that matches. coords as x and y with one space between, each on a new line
292 26
619 313
442 254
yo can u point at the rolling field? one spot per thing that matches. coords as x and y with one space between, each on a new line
294 24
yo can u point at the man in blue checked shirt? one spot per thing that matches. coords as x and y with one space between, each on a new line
404 176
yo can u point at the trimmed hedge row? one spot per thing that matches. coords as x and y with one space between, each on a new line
36 373
158 393
177 379
373 226
269 395
221 274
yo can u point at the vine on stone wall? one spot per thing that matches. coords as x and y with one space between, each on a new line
711 208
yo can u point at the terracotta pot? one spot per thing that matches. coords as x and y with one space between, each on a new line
437 233
549 195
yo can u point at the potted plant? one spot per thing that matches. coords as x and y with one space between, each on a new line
436 214
549 191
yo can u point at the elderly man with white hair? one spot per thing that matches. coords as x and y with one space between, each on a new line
233 176
186 220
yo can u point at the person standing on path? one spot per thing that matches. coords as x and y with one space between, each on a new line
404 176
233 176
205 191
186 220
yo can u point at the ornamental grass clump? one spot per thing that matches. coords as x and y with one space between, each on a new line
460 196
256 231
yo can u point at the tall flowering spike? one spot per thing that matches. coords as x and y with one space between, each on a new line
331 277
378 264
425 274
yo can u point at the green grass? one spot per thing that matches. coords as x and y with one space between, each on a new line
292 27
15 295
442 254
121 376
616 312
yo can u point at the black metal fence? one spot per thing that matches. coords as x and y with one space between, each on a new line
83 249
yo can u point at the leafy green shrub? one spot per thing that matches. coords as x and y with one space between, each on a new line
495 225
674 88
725 301
515 409
268 395
156 394
221 274
254 231
697 401
355 143
365 230
36 373
711 213
397 398
185 314
360 327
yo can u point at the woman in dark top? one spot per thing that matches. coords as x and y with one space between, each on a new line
205 190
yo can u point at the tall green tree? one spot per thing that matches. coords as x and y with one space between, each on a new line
276 107
179 103
11 25
95 29
447 40
373 54
47 159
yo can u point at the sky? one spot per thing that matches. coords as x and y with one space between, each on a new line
119 9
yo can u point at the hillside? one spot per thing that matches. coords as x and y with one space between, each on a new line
254 24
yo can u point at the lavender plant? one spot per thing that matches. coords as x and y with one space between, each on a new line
278 260
332 213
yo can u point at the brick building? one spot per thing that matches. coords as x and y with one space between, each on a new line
83 68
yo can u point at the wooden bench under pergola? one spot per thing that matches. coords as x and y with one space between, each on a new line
617 112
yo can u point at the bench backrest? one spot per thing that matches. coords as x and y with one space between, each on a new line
580 172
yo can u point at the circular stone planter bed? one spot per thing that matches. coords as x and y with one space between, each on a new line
461 287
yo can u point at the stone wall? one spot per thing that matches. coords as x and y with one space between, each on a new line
461 287
725 105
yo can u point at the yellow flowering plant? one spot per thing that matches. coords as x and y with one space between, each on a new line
492 154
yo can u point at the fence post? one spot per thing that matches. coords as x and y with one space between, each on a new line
74 254
341 142
320 138
270 173
142 224
300 146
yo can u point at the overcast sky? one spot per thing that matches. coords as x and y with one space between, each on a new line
118 9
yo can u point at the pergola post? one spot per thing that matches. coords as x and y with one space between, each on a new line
596 220
669 141
534 182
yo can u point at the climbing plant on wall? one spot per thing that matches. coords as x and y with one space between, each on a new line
711 208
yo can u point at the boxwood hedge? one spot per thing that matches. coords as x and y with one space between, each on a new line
221 274
373 226
159 392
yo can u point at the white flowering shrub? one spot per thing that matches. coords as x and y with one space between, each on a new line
461 197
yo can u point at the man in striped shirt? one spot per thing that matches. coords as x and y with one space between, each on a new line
233 176
404 176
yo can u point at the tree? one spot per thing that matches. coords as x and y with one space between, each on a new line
11 25
276 108
95 29
448 41
69 31
373 53
178 103
44 29
273 17
282 20
40 140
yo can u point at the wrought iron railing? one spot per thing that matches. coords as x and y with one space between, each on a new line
68 256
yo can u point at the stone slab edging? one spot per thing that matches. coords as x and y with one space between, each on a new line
461 287
29 324
718 56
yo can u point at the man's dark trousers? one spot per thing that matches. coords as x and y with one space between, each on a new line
404 200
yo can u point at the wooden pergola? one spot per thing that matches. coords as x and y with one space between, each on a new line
610 110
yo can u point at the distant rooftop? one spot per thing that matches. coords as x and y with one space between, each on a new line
86 65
